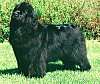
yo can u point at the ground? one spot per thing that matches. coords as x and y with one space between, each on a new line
9 75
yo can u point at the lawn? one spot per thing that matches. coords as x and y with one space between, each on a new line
9 73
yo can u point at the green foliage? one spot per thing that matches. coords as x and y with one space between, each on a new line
81 12
1 39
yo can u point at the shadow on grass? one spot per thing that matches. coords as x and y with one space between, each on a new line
10 71
57 67
50 68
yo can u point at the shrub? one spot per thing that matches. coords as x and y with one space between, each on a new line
83 13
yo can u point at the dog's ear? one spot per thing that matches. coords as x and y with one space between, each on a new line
32 14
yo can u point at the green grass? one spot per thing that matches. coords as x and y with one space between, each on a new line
9 75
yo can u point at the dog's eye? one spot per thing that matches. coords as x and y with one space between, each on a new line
16 13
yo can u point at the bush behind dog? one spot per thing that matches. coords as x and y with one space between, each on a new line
74 11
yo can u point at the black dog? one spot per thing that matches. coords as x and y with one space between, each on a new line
35 44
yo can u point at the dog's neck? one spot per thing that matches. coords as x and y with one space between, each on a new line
38 26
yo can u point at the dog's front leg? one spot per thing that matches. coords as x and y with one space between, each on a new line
38 67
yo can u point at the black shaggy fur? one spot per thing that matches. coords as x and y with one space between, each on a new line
35 44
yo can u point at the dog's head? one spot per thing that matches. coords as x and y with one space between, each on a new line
23 13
